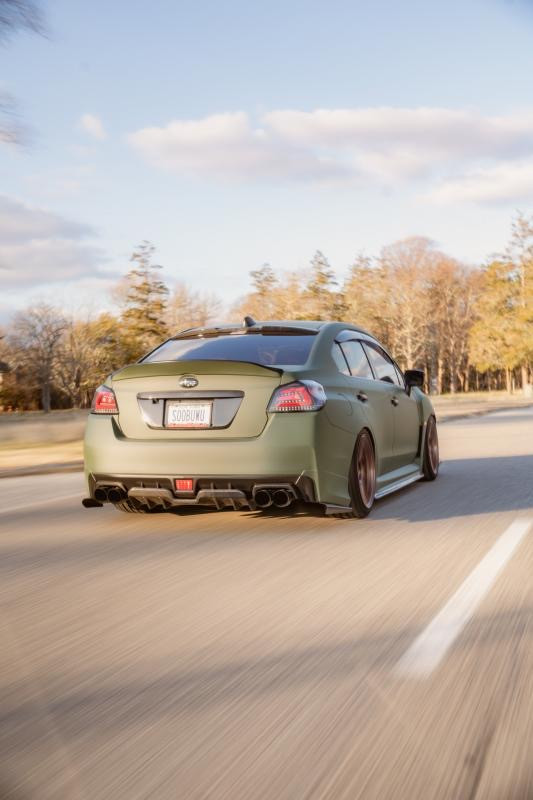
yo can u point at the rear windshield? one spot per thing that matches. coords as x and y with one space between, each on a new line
265 349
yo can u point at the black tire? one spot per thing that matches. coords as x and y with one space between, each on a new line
431 460
130 508
362 477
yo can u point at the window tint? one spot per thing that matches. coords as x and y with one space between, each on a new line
357 360
339 359
382 364
400 376
265 349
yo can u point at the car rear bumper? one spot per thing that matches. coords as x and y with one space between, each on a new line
282 451
285 452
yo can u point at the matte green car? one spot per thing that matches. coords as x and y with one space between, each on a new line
257 415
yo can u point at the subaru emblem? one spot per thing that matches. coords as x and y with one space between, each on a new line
188 381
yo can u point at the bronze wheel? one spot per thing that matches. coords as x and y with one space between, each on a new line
431 460
366 470
362 479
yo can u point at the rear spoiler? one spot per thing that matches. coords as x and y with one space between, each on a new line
207 367
265 330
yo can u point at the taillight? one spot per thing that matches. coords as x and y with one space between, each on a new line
104 401
298 396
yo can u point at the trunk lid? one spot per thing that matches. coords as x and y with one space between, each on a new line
237 391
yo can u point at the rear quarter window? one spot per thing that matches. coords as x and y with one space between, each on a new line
357 360
339 359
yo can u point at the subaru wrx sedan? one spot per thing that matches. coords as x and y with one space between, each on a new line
258 415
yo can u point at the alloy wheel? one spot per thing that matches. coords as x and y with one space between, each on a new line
366 470
433 446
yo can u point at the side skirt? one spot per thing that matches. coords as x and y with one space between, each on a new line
401 484
331 509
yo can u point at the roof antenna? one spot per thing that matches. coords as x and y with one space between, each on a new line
249 322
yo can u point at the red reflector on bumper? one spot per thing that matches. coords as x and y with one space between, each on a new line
183 484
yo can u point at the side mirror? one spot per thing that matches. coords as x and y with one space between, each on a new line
414 377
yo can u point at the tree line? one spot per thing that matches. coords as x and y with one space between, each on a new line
469 328
50 360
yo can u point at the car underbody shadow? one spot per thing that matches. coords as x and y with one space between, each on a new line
296 509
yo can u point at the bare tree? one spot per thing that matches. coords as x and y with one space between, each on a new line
76 354
189 309
15 16
453 292
36 337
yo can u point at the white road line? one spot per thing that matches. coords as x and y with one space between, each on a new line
47 500
428 649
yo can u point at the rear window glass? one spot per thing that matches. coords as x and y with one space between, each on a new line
265 349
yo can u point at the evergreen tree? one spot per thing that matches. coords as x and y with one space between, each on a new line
263 280
265 284
322 299
143 318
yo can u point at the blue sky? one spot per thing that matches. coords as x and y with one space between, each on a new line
232 134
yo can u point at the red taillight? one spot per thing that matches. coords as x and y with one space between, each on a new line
104 401
183 484
298 396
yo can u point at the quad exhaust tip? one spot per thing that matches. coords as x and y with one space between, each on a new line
263 496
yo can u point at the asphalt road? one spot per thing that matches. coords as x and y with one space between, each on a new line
245 656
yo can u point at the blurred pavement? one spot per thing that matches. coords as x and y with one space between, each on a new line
253 656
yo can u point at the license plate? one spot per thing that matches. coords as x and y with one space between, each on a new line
181 414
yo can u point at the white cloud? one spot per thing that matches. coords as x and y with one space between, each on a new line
503 183
39 247
93 125
441 131
227 145
387 146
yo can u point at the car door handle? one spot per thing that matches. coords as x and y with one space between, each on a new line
362 397
394 401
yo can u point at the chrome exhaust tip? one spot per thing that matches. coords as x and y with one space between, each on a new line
115 494
100 494
262 498
281 498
